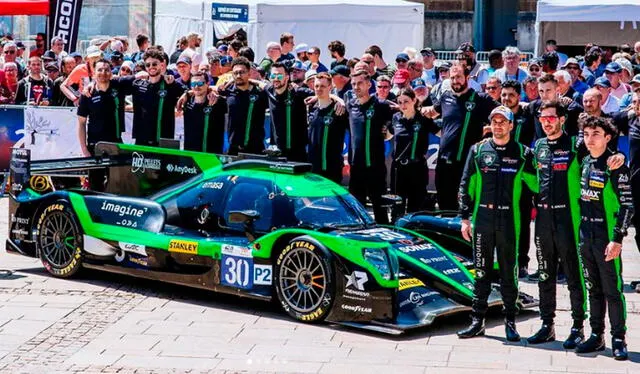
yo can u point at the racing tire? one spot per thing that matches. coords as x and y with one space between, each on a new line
59 240
304 280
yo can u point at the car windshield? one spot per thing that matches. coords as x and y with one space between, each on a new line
330 211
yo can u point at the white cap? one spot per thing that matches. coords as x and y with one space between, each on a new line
302 47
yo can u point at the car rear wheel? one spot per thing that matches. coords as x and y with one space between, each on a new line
59 240
304 280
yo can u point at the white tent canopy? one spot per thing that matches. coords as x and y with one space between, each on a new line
391 24
604 22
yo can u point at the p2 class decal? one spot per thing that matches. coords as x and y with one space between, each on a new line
236 267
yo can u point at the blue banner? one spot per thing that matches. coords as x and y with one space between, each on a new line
230 12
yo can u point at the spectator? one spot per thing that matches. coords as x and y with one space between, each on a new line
247 53
59 99
181 45
9 54
401 61
34 89
214 70
368 62
314 60
77 56
142 41
184 71
429 69
117 58
550 62
573 68
493 88
337 50
627 70
40 45
223 49
534 68
309 79
287 43
610 103
564 86
81 75
274 51
193 41
340 77
10 85
436 91
57 47
351 64
511 69
531 93
225 71
592 60
495 62
301 52
552 46
381 67
548 91
612 72
415 68
419 87
126 69
52 71
234 47
627 99
467 53
383 89
401 79
298 71
20 53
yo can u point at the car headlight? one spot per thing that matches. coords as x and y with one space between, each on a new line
380 260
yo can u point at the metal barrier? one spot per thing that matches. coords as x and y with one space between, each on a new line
482 56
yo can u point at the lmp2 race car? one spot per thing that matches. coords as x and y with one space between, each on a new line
248 226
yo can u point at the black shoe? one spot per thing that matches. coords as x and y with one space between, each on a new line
534 277
475 329
562 279
522 272
575 337
547 333
510 331
595 343
619 349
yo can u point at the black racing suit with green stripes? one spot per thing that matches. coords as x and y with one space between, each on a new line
606 210
490 190
557 223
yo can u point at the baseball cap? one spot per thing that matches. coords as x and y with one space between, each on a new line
536 61
117 55
427 51
20 45
418 83
625 65
602 82
402 57
310 74
466 47
75 54
51 66
445 66
183 60
302 47
503 111
613 67
298 65
94 51
273 45
224 60
341 70
636 79
49 55
222 48
313 50
570 61
401 76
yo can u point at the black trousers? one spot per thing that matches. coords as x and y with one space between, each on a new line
524 242
97 177
555 240
448 176
603 279
486 239
409 181
370 182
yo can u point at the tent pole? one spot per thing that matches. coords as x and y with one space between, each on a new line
153 22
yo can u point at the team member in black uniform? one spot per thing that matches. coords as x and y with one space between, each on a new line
606 209
326 132
523 133
204 120
154 100
246 105
100 117
494 176
548 90
288 114
369 120
464 113
409 173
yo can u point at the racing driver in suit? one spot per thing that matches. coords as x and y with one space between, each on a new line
494 176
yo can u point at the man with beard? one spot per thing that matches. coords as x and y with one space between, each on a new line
368 121
100 117
340 77
40 45
288 114
59 99
495 173
34 89
154 100
464 113
467 55
246 105
298 70
204 119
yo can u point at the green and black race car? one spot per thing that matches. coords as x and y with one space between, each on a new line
251 227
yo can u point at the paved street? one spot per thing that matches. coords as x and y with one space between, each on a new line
107 323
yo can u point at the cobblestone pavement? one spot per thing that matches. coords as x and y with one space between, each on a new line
102 323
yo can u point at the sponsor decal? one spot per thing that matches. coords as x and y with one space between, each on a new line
19 232
596 175
39 183
237 267
357 279
509 170
19 220
133 248
416 247
479 274
623 178
262 275
590 194
141 164
510 161
313 315
543 276
142 261
183 246
469 106
204 215
410 283
488 159
561 159
350 293
417 298
560 166
178 169
596 184
433 260
543 154
356 308
451 271
123 210
213 185
588 285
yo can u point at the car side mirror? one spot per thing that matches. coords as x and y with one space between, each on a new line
246 217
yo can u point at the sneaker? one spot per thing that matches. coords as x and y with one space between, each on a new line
534 277
562 279
576 336
619 349
522 272
547 333
510 331
476 328
595 343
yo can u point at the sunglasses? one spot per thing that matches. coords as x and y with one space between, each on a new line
277 76
197 84
549 119
384 87
573 67
150 64
10 52
491 88
534 69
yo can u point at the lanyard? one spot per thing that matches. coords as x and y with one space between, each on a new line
414 142
325 137
116 101
207 112
288 119
162 93
469 106
247 126
367 140
519 123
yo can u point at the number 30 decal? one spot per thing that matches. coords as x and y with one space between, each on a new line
237 271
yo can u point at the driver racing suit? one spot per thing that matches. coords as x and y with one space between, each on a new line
490 189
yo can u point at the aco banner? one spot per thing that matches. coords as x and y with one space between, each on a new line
64 21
